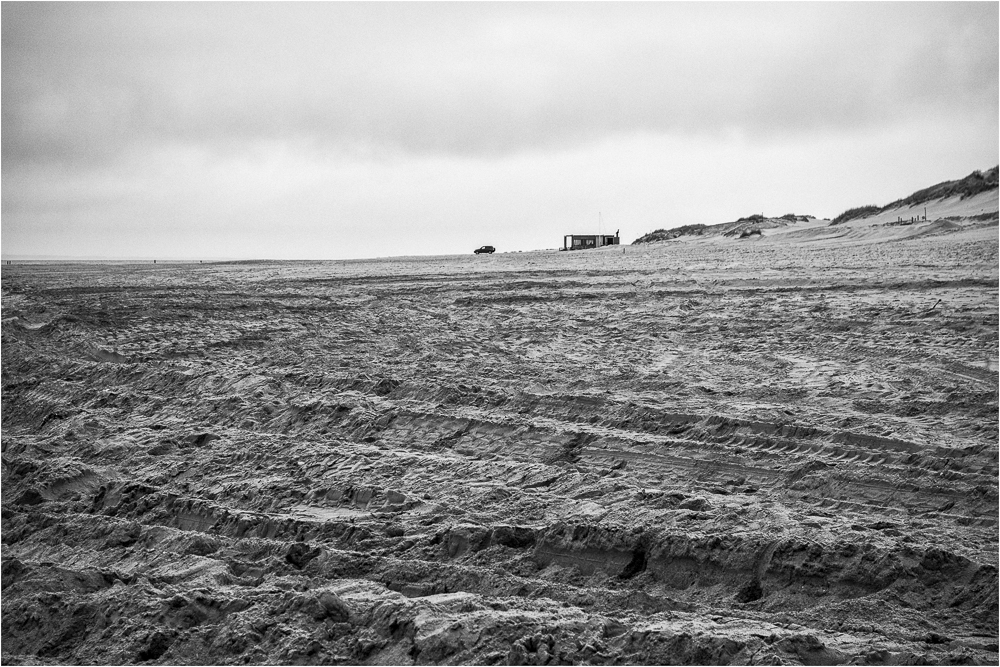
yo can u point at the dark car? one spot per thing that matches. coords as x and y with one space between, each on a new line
486 248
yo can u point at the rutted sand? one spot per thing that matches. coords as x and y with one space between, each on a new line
775 450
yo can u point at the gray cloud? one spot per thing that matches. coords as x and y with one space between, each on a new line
85 83
359 129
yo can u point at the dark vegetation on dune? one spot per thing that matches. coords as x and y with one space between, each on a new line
729 228
971 185
667 234
854 213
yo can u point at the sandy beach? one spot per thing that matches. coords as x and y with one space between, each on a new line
779 450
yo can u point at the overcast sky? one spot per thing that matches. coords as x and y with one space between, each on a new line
335 130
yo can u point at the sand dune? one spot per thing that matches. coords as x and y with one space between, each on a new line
957 207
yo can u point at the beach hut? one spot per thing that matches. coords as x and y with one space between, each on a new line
585 241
